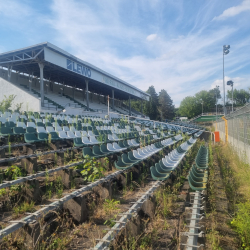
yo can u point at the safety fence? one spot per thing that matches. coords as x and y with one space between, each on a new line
236 131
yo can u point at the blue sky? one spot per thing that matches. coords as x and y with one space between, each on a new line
172 44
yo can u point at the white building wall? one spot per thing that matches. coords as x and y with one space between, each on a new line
30 103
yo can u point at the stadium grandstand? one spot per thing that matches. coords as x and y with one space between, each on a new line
65 150
46 78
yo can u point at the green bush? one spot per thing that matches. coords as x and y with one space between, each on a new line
241 224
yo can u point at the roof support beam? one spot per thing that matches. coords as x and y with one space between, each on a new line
113 99
41 66
87 93
129 106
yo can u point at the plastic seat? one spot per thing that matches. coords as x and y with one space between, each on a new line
157 176
3 120
119 164
97 152
31 124
70 134
10 124
50 129
103 149
111 148
19 131
63 135
21 124
78 142
30 130
86 141
197 186
54 136
41 130
6 131
30 138
58 129
78 134
65 128
117 147
94 140
42 136
87 151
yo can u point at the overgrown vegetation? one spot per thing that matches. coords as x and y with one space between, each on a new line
7 103
236 176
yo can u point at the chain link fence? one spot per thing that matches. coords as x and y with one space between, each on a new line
238 123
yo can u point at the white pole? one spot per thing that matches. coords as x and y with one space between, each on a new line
108 106
224 83
232 97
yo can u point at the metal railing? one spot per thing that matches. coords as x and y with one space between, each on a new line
237 132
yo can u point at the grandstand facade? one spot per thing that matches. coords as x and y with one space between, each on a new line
46 78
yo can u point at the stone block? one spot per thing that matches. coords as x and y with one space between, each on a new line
30 165
32 231
148 208
77 208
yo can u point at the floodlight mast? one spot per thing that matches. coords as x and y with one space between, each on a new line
231 83
225 51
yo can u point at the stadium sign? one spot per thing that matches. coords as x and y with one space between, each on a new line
73 64
78 68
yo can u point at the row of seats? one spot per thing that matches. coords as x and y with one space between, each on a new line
198 174
126 161
163 169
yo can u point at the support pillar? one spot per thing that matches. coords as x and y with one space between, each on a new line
41 66
87 93
9 73
73 93
129 106
113 99
142 106
84 94
30 81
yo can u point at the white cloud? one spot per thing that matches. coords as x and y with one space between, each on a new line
183 62
181 65
239 83
235 10
151 37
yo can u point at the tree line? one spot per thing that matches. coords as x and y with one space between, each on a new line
159 107
205 101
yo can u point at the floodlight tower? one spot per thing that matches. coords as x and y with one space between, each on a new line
217 88
231 83
225 51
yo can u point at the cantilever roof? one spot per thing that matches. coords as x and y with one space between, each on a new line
63 67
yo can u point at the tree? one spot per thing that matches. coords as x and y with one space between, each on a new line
241 97
150 108
189 107
166 107
192 105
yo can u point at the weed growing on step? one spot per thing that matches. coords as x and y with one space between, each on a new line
23 208
110 205
92 169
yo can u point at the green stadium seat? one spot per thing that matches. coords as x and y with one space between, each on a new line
119 164
78 142
97 152
54 136
30 138
10 124
30 130
87 151
157 176
6 131
19 131
43 137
